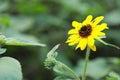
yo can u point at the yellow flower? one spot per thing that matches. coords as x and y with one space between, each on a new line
85 33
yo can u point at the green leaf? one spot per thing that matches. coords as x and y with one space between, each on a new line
61 69
2 39
50 60
4 5
75 5
16 22
96 68
61 78
52 52
113 76
10 69
21 42
64 71
5 21
2 50
17 39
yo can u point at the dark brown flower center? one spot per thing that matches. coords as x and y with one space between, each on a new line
85 31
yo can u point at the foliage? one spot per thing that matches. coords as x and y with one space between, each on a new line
64 72
10 69
113 76
47 21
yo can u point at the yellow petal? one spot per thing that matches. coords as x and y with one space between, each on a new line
74 42
97 33
72 31
93 47
99 39
82 44
101 34
88 19
72 38
76 24
97 20
101 27
91 41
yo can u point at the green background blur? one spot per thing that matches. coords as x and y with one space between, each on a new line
48 21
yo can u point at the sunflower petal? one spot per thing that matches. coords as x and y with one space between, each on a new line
76 24
77 45
82 44
98 34
72 31
88 19
91 41
93 47
97 20
101 34
72 38
74 42
102 26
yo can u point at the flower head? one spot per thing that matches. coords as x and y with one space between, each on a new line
85 33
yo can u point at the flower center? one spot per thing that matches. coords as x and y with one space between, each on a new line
85 31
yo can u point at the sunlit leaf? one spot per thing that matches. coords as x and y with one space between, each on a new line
52 52
60 68
75 5
4 5
10 69
4 21
64 70
113 76
20 42
96 68
2 39
24 6
16 22
61 78
2 50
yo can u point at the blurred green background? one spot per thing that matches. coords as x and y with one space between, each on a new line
48 22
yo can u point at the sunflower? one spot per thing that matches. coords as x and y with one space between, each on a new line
85 33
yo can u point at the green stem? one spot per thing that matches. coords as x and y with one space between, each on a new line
75 76
112 45
86 61
66 68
